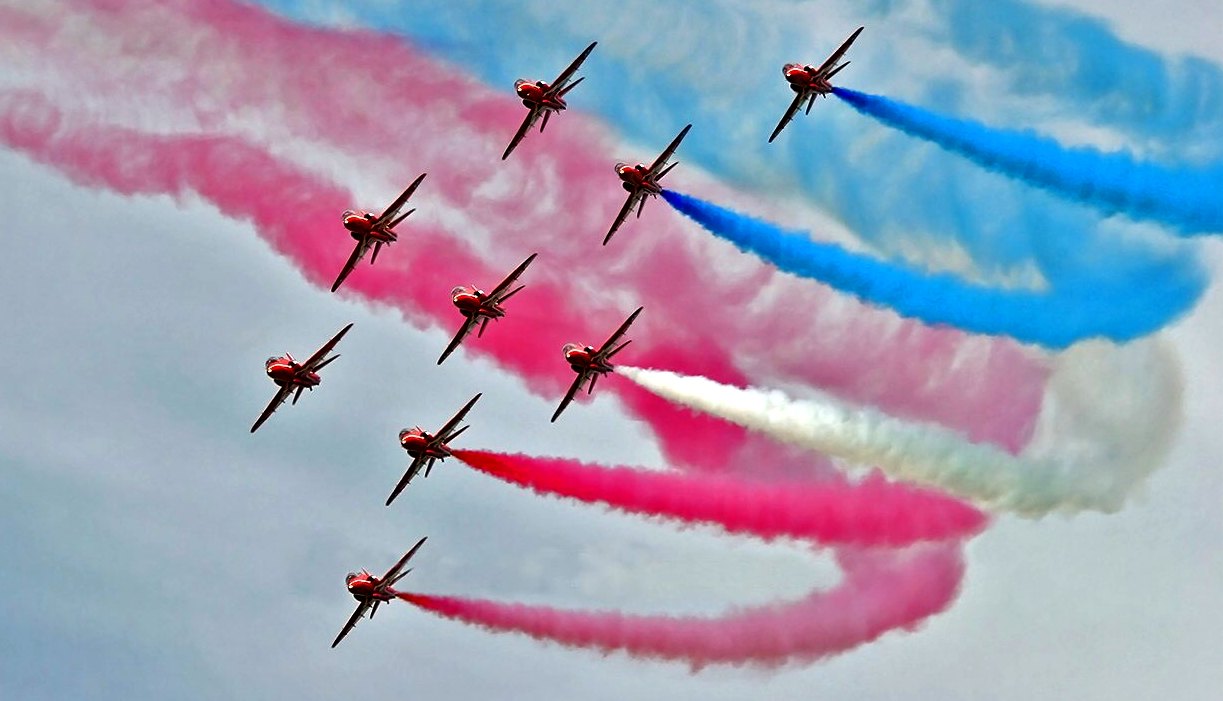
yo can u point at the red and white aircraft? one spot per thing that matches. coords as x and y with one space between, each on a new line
479 306
809 81
426 448
369 591
291 375
642 182
542 99
590 364
373 231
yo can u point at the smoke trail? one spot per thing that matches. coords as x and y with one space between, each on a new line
872 512
290 207
1054 318
1185 198
1169 104
505 210
875 596
1101 456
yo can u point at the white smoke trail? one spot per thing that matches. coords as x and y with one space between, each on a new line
1109 415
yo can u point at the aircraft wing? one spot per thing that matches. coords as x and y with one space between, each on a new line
510 279
391 574
831 63
282 394
573 390
661 162
468 324
561 80
611 340
313 361
413 469
793 110
531 118
626 210
352 621
393 211
453 423
358 253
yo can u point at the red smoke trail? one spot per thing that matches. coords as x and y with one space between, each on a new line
873 512
392 112
876 595
297 212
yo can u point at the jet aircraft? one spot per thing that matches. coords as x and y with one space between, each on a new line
590 364
425 447
292 377
373 231
542 99
369 591
808 81
478 306
642 182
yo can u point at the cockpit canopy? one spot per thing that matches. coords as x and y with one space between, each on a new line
349 577
459 289
569 347
348 213
271 361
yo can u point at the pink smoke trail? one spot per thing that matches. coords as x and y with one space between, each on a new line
375 100
872 512
296 211
876 595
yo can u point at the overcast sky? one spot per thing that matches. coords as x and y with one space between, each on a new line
155 549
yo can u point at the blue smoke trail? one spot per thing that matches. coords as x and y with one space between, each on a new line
1053 318
1187 199
652 73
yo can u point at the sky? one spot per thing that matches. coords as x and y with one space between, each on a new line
157 549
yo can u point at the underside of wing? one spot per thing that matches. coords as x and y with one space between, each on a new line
527 123
611 340
793 110
414 468
468 324
282 394
665 156
626 210
357 254
510 279
573 390
559 84
393 211
831 63
352 622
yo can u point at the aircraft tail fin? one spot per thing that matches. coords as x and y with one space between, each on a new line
510 294
666 170
400 218
483 325
298 394
618 348
377 247
544 124
571 86
836 70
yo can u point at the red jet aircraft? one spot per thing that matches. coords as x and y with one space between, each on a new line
479 306
425 447
809 81
290 375
590 364
369 591
542 99
373 231
642 182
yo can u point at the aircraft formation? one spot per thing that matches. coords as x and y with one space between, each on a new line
477 307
